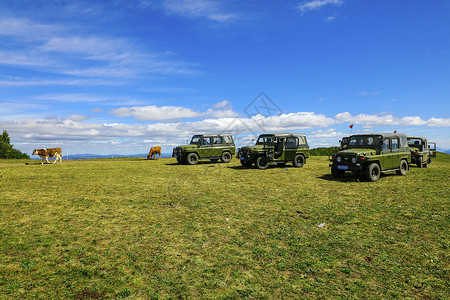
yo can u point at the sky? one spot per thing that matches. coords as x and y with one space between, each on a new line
121 76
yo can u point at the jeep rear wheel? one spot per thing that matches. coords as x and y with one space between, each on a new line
226 157
299 161
403 168
262 163
372 172
419 162
192 159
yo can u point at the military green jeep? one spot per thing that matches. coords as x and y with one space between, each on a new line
206 146
280 148
371 154
421 151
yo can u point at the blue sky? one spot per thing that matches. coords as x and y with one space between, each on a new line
121 76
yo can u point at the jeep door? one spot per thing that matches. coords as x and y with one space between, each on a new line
290 148
386 155
205 148
216 146
395 149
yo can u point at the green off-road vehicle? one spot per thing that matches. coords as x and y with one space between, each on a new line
371 154
421 151
280 148
206 146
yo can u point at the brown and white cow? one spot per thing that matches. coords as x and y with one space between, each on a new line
154 151
48 152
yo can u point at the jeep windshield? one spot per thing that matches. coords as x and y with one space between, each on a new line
414 142
196 139
265 140
365 141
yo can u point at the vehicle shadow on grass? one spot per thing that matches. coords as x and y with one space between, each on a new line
199 163
352 178
253 167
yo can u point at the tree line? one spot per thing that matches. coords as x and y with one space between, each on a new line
323 151
7 151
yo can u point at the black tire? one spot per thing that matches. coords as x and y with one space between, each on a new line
403 168
419 162
299 161
245 163
226 157
372 172
337 173
425 165
262 163
192 159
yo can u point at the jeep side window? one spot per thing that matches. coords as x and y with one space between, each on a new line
206 142
217 140
196 139
403 142
291 142
386 145
395 144
227 139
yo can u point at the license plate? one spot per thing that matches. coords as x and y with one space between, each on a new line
342 167
241 158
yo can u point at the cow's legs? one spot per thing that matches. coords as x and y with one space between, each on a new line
46 159
56 158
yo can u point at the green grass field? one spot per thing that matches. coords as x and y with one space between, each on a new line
138 229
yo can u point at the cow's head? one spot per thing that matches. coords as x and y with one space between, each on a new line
34 152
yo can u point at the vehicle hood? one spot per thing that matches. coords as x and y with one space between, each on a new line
357 151
414 149
188 147
253 147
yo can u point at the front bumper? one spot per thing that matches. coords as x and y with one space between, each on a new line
347 167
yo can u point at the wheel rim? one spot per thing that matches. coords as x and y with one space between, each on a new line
374 173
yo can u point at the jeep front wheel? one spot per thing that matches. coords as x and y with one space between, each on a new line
262 163
372 172
192 158
299 161
403 168
226 157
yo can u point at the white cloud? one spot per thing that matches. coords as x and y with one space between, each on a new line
316 4
155 113
151 113
58 49
388 120
198 9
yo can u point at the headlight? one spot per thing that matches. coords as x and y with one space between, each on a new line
338 159
353 159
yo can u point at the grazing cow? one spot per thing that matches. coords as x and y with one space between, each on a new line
154 151
50 152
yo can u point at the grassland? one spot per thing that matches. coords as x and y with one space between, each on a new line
138 229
